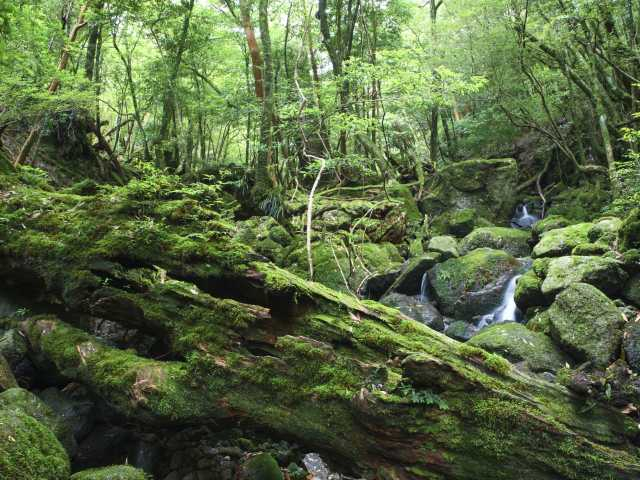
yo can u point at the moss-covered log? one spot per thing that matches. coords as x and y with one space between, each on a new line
249 343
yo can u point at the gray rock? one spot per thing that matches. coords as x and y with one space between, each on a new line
416 308
445 245
605 273
75 409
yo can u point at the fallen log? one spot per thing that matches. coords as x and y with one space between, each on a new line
252 344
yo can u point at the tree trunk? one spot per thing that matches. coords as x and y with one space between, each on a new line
53 87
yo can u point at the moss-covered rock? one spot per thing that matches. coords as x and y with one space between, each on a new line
116 472
337 265
410 279
629 233
561 241
528 291
605 230
28 403
587 249
29 450
631 291
261 467
605 273
511 240
517 343
461 222
13 346
7 380
445 245
587 324
488 186
472 284
551 222
266 236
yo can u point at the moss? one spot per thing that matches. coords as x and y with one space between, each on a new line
517 343
7 380
29 450
18 399
561 241
261 467
629 233
585 249
606 273
491 361
579 204
528 291
116 472
550 222
511 240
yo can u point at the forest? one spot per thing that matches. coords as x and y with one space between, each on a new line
320 240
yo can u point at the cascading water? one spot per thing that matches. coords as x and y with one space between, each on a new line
522 217
507 311
424 288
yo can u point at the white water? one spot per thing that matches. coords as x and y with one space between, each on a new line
523 218
424 288
507 311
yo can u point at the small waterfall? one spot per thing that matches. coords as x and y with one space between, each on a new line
424 288
522 217
507 311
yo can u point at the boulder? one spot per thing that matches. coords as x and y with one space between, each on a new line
605 230
471 285
377 284
552 222
18 399
511 240
631 291
606 273
13 346
629 233
410 279
517 343
445 245
461 330
631 345
29 450
116 472
528 291
461 222
561 241
488 186
416 308
587 324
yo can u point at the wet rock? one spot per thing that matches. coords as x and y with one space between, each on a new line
510 240
120 472
461 330
27 402
587 324
473 284
445 245
517 343
105 445
376 285
561 241
261 467
145 454
414 307
605 273
74 408
409 280
29 450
